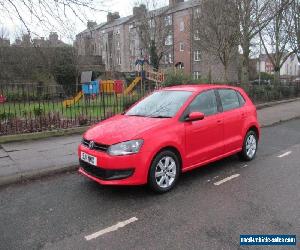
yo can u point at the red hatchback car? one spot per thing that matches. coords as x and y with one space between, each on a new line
172 130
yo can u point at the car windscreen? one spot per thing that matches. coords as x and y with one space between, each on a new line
160 104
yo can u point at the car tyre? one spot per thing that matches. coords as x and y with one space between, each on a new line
164 171
249 150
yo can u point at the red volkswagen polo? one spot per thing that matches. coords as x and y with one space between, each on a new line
171 131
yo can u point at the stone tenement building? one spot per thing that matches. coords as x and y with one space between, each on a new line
119 44
51 41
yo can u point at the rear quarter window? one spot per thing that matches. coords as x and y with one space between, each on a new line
229 99
241 99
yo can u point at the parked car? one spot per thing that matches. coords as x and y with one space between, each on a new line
171 131
260 82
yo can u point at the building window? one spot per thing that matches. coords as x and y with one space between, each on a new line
151 23
197 12
197 56
181 26
196 35
168 40
196 75
118 45
168 58
168 20
119 60
181 46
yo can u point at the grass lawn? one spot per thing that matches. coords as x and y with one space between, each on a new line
96 108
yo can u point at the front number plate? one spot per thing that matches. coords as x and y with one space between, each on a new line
89 158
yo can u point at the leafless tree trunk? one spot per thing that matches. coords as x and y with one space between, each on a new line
218 33
275 36
254 15
155 31
295 33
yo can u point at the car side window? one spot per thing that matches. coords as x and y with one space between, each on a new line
241 99
229 99
205 102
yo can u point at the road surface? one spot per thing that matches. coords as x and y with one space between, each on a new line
209 208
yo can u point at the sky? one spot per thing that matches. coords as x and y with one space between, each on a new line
70 24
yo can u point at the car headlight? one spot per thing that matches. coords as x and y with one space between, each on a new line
125 148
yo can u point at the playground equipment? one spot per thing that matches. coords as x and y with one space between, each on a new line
91 88
72 101
132 85
112 86
156 76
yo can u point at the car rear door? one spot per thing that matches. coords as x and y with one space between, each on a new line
233 118
204 138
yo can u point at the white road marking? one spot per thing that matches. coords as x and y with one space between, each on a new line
111 229
244 166
284 154
226 179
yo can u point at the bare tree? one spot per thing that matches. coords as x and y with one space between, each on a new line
218 31
47 13
295 32
275 36
4 34
155 30
253 16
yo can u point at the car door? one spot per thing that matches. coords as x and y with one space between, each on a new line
204 138
233 120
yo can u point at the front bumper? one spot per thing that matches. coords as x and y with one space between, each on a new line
106 174
116 170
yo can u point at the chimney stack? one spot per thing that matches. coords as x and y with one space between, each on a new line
140 10
91 24
112 16
172 3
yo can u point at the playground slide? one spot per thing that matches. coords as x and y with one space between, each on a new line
69 102
132 85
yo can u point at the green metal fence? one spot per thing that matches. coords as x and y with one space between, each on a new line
26 108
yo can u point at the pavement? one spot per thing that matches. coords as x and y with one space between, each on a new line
32 159
68 211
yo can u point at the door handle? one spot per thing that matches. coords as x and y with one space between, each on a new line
219 121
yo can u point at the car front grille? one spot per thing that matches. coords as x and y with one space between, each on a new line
105 174
97 146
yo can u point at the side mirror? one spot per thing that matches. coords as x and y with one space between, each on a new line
195 116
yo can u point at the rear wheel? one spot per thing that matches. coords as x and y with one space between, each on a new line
164 171
249 147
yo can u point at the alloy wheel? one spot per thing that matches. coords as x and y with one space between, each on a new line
251 146
165 172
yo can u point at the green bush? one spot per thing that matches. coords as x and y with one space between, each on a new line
38 111
178 77
6 116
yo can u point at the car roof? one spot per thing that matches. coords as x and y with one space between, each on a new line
198 87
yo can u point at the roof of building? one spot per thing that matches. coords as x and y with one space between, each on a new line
165 9
184 5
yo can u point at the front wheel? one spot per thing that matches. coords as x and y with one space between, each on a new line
249 147
164 171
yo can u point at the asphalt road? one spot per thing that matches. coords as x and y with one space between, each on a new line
264 198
